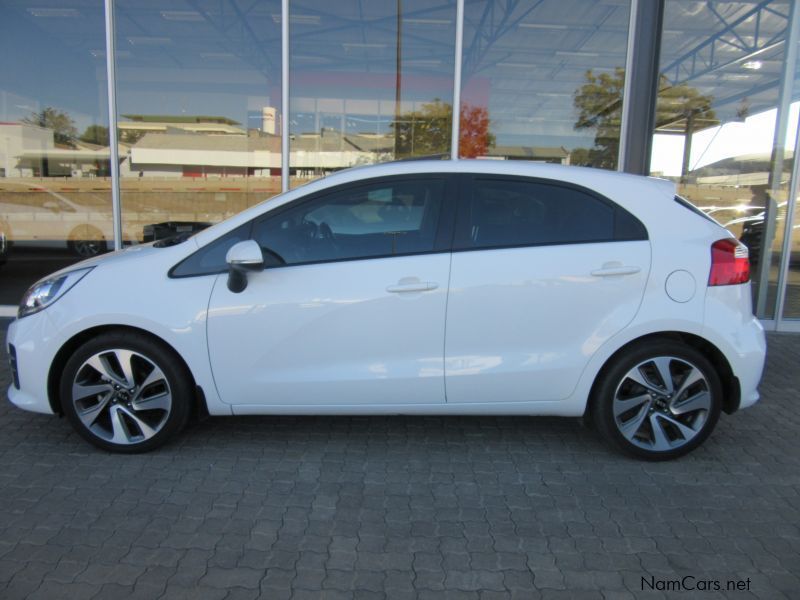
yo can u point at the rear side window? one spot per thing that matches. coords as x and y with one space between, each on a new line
516 212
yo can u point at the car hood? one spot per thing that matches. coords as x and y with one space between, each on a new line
131 253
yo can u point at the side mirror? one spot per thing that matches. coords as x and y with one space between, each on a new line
243 257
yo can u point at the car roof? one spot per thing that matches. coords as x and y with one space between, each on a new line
484 166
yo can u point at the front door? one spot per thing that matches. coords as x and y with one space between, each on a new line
354 312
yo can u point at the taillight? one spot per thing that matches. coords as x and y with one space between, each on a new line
730 263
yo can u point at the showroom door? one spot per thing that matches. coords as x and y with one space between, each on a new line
528 255
353 314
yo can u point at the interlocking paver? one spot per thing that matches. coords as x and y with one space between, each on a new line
396 507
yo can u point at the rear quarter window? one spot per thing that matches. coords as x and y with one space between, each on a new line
503 212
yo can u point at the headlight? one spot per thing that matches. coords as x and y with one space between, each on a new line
43 293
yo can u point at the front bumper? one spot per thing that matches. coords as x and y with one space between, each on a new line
34 349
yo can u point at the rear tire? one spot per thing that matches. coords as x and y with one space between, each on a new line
658 400
125 392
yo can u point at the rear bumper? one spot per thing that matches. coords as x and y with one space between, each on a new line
732 327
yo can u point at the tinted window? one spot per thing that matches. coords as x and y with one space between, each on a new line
519 213
211 258
380 219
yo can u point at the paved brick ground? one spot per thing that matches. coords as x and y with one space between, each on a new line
401 508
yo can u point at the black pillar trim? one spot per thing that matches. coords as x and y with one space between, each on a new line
644 77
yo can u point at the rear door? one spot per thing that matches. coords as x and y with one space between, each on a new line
542 274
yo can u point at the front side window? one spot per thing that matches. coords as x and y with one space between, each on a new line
210 259
361 221
508 213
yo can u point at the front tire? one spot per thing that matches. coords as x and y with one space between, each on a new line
125 392
658 400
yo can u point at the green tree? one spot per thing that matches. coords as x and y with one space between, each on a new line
599 102
679 108
582 157
427 131
95 134
61 124
130 136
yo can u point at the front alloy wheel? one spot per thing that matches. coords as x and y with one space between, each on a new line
658 402
121 396
125 392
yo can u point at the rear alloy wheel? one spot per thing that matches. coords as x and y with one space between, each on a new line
658 401
125 393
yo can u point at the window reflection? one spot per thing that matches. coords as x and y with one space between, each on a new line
198 89
717 131
543 81
55 202
791 308
370 82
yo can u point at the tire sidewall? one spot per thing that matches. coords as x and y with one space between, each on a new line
175 372
603 398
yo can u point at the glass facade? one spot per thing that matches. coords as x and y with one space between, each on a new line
723 130
55 190
543 81
200 121
370 82
198 101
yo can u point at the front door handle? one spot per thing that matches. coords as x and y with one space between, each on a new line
616 270
415 286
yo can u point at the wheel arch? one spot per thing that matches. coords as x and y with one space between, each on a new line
731 390
199 406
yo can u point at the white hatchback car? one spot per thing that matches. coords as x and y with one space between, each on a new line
428 287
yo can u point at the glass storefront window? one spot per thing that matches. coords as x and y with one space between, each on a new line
370 82
198 99
791 306
55 190
543 81
199 114
717 128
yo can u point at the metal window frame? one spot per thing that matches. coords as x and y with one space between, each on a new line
782 323
638 117
627 89
455 132
285 95
782 125
111 84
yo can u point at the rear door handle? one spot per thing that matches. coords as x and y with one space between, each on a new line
615 271
416 286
